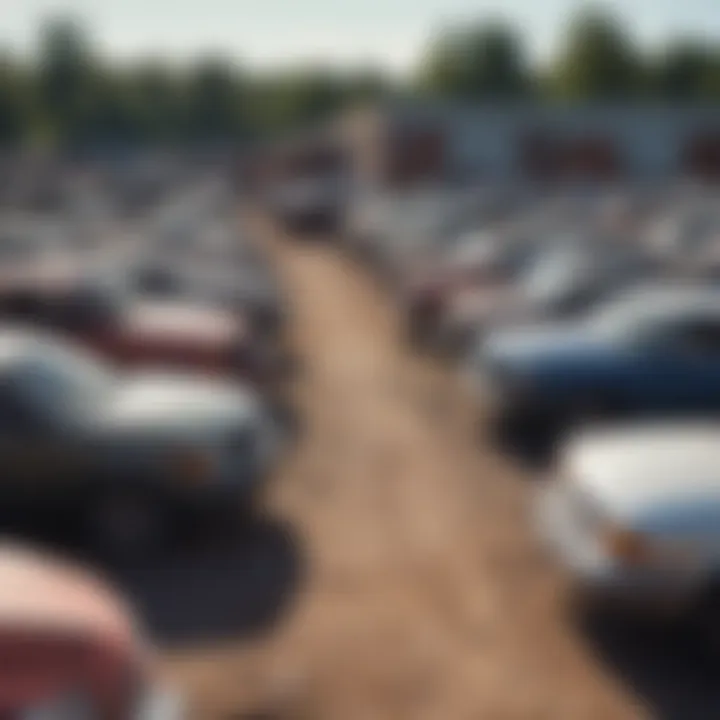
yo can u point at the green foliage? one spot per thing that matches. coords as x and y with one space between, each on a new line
210 105
711 78
71 95
685 71
15 101
598 60
482 61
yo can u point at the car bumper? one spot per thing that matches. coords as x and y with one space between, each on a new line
595 581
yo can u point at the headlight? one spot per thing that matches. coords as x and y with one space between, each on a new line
627 547
634 549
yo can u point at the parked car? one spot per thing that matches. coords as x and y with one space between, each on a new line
653 350
633 515
245 289
131 455
71 648
106 315
475 261
434 223
311 203
558 282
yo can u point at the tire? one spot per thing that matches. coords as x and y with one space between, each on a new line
128 524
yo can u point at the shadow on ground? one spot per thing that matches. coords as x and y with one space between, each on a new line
224 584
533 450
673 671
238 583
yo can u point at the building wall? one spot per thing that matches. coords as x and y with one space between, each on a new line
549 142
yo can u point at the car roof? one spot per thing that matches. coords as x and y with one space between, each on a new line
672 299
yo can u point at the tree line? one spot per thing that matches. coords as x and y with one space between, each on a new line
69 94
598 60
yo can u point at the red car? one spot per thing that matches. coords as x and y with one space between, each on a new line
130 330
69 648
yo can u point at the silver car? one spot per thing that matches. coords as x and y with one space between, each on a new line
634 515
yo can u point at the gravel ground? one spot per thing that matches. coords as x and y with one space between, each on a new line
394 574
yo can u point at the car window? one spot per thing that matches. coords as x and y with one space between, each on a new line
555 275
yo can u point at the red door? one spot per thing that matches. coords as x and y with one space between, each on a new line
591 158
416 155
701 156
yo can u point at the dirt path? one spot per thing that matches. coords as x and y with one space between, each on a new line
423 594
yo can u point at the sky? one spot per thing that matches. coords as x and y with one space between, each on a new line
266 33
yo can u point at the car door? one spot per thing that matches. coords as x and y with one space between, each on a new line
691 365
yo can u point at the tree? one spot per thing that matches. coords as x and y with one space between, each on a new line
443 69
286 99
111 115
484 61
15 108
155 94
365 85
65 77
711 79
682 72
598 62
212 101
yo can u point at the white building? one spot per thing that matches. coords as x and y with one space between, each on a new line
407 142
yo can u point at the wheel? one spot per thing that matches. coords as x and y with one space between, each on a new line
128 524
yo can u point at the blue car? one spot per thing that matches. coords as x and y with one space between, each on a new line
654 350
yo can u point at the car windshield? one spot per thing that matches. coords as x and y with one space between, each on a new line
66 382
553 276
632 318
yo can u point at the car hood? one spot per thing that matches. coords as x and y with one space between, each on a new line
653 471
160 402
546 343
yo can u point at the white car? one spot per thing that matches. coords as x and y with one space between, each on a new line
634 514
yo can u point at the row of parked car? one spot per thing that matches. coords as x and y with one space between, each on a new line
584 322
142 369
